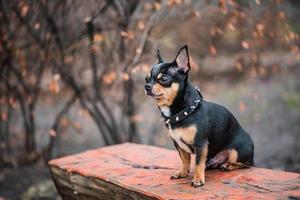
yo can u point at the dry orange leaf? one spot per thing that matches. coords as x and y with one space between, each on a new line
37 26
174 2
125 76
231 27
238 65
219 31
56 77
24 10
52 133
260 27
83 113
128 34
148 6
87 19
213 50
68 59
138 50
292 35
281 14
254 33
245 45
64 122
109 78
141 25
98 37
53 87
197 14
157 5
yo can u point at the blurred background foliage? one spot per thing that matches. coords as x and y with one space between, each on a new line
72 76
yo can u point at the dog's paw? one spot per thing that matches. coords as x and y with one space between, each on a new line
179 175
197 182
175 176
225 167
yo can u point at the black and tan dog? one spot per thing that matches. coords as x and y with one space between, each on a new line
196 126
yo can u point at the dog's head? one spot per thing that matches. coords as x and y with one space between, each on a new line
167 79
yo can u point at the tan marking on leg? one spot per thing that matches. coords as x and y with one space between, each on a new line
186 161
185 165
232 161
199 175
232 156
168 93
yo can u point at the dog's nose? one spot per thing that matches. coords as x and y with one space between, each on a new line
148 87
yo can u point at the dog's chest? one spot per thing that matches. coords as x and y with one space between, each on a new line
184 137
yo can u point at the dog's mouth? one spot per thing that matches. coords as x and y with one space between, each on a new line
155 96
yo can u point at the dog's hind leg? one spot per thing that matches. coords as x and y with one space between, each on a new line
231 166
217 160
232 162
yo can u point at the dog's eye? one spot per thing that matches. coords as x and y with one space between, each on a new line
147 79
163 79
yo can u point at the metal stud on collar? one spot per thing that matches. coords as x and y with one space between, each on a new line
182 115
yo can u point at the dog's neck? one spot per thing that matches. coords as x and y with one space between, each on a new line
186 97
165 110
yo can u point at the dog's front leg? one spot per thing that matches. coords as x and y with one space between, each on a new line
199 174
185 165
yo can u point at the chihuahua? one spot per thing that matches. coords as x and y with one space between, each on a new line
196 126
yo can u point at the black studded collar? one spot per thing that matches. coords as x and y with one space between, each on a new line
183 113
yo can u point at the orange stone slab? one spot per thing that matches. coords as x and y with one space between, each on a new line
145 171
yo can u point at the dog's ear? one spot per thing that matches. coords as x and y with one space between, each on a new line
159 58
183 60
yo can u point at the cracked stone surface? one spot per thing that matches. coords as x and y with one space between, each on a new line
134 171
